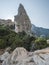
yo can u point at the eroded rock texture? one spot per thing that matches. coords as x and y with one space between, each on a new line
22 21
22 57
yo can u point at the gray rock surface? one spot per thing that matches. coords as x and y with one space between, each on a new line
8 22
22 21
4 56
22 57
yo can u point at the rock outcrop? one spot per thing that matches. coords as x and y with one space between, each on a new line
22 21
8 22
22 57
4 56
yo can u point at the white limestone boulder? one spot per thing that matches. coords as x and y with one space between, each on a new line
4 56
22 57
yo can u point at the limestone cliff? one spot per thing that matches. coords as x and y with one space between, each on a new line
22 21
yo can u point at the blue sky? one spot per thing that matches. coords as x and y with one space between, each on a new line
37 10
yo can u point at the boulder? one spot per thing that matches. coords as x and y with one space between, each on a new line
21 56
4 56
8 49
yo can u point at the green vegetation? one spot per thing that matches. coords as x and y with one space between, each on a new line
2 45
9 38
12 39
40 43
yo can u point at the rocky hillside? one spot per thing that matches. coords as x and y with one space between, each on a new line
39 31
21 56
6 22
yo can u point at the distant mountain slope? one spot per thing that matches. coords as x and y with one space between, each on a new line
39 31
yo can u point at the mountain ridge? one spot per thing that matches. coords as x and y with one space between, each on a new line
40 31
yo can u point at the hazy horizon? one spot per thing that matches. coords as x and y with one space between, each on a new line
37 10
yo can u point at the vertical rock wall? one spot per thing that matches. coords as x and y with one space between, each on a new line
22 21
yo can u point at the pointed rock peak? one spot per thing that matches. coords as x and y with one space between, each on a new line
21 9
21 6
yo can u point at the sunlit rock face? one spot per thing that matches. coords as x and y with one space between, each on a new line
22 21
22 57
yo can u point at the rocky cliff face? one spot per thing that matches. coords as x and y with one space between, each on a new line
22 57
22 21
6 22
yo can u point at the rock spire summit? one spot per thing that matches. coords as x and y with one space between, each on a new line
22 21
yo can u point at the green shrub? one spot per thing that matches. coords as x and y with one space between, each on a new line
40 43
21 39
2 43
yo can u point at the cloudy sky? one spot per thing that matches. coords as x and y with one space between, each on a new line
37 10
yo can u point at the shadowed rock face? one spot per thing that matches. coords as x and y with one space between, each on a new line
22 21
21 10
22 57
